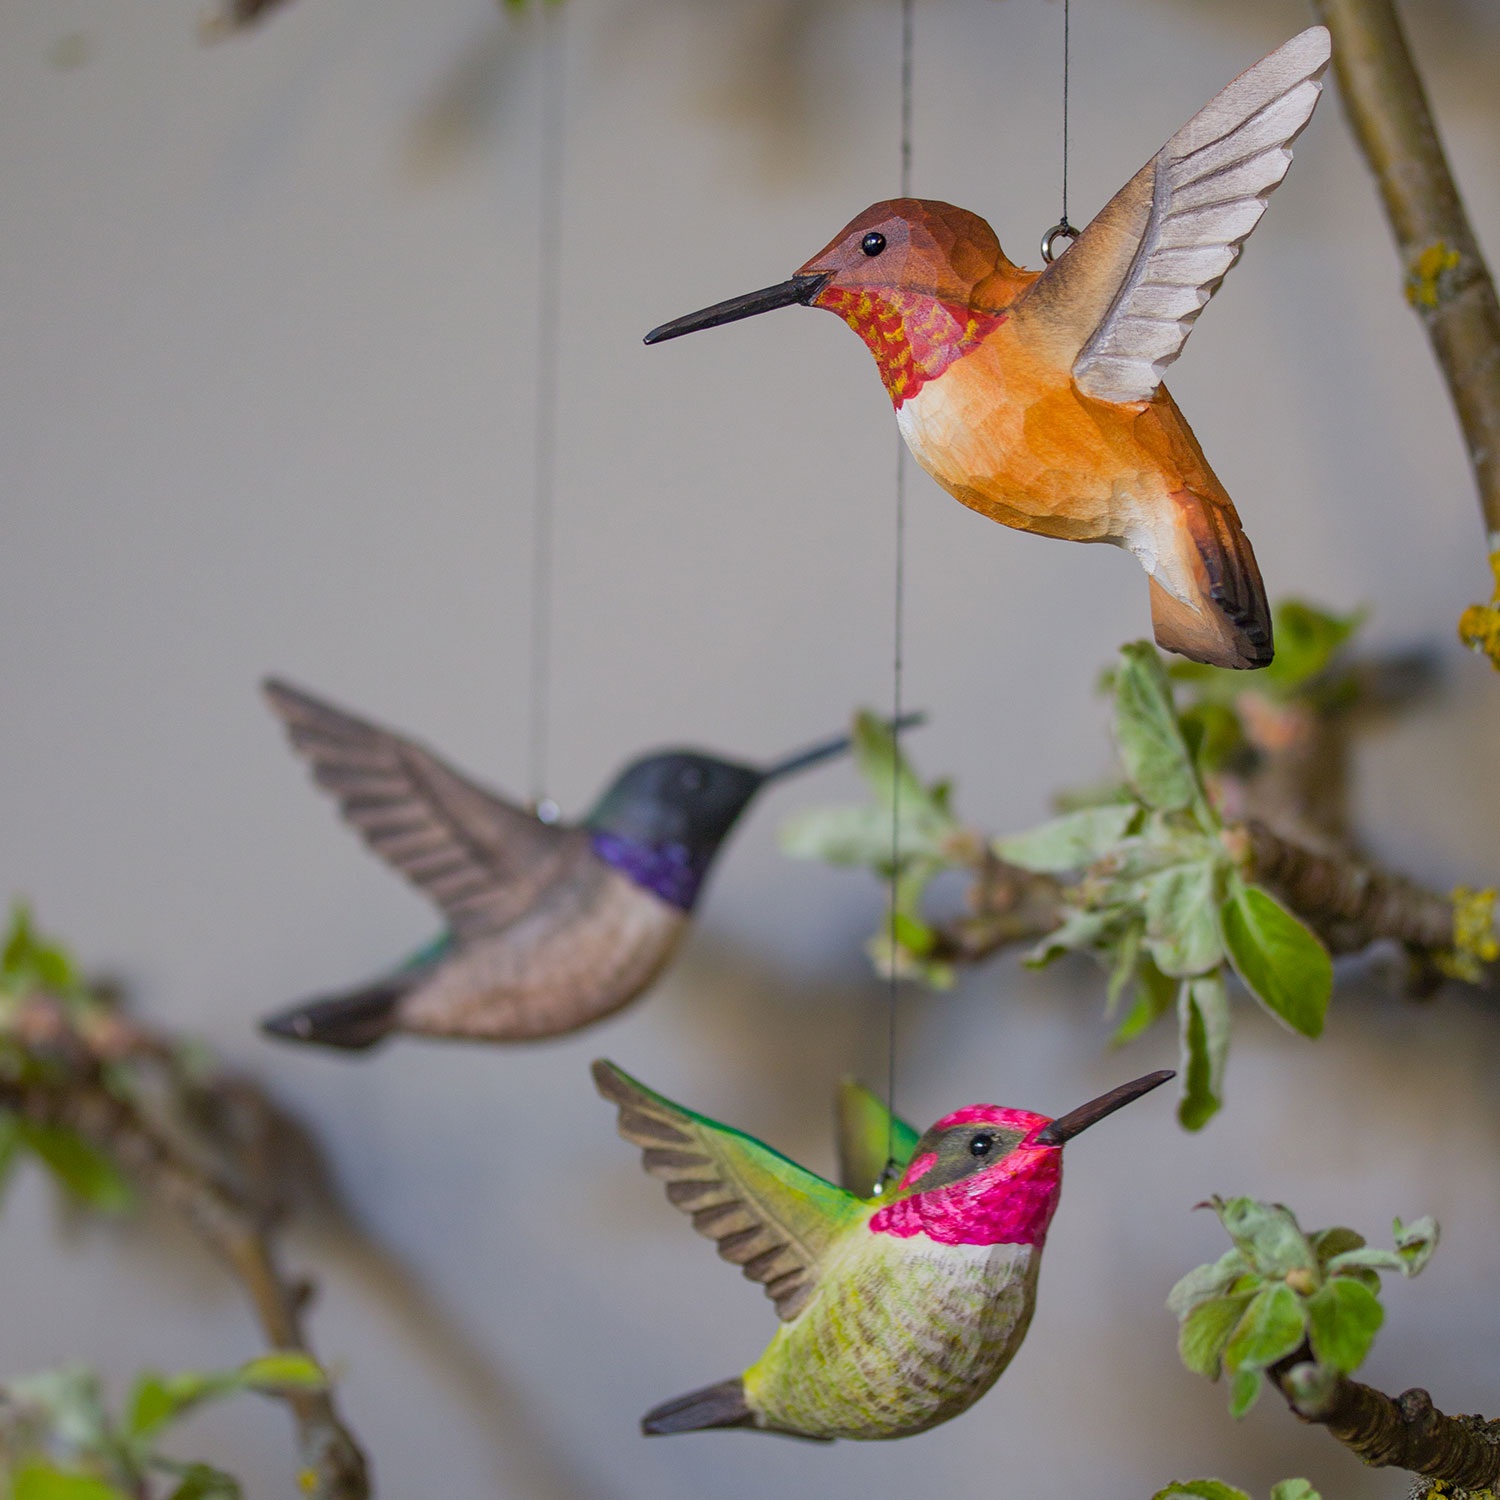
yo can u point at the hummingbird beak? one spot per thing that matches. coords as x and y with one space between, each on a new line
1076 1121
799 289
830 748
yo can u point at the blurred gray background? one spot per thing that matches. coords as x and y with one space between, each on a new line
267 354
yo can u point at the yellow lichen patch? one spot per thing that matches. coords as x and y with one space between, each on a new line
1474 940
1424 279
1479 625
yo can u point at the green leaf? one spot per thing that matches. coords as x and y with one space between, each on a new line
151 1405
1123 970
1343 1318
284 1370
1293 1489
1154 994
1286 967
203 1482
1415 1243
1266 1234
1072 842
1307 640
1367 1257
1214 734
1182 924
10 1147
1244 1390
1203 1017
858 836
861 836
1273 1325
884 768
1206 1282
1152 748
85 1171
40 1480
1206 1330
1080 932
1202 1489
1327 1243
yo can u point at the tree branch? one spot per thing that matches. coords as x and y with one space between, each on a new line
1406 1431
236 1229
1350 904
1448 282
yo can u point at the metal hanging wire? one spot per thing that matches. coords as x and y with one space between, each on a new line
898 632
1062 230
549 319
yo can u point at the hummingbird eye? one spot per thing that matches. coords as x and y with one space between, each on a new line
873 243
981 1144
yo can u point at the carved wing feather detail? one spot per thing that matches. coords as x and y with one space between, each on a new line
772 1218
1128 291
480 858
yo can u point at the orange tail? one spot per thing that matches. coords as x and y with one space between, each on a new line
1224 620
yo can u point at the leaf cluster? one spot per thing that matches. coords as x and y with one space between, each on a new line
40 982
1279 1293
908 835
1216 1489
1163 901
59 1440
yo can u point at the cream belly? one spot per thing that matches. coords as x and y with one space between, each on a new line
585 949
902 1335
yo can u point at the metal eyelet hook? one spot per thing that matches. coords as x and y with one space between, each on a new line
1061 230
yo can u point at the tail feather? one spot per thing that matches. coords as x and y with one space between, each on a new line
1226 618
721 1405
350 1021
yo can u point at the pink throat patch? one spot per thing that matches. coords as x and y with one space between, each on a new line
1011 1203
914 338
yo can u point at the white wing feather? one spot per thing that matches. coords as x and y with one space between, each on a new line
1210 185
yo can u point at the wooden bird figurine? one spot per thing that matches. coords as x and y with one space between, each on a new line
900 1308
1035 398
549 925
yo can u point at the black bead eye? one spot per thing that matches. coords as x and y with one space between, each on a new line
980 1145
873 243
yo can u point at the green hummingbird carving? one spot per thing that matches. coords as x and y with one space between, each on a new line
549 925
903 1294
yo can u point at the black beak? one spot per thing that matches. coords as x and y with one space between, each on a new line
830 748
1076 1121
799 289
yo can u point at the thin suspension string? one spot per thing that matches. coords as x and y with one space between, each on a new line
1063 230
898 633
1067 70
549 303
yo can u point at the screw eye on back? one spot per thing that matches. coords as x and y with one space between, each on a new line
873 243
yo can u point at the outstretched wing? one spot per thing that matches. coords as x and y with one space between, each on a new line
480 858
870 1138
768 1215
1120 302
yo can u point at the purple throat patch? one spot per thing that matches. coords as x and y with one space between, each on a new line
667 870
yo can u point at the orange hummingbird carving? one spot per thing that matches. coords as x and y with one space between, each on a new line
1035 398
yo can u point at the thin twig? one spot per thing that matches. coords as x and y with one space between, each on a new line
230 1225
1404 1432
